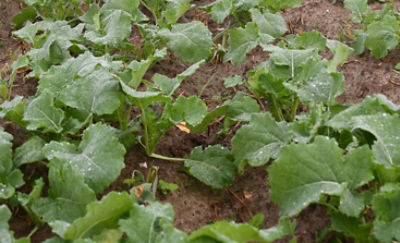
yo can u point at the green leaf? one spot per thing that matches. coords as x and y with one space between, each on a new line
386 208
233 81
270 24
219 10
304 172
383 126
111 25
28 13
242 107
40 113
217 112
190 109
6 235
143 98
259 141
350 226
230 232
53 48
10 178
309 40
165 186
14 109
95 93
213 166
176 8
369 106
153 223
168 85
139 68
359 43
29 152
241 41
314 84
99 214
190 41
57 78
383 36
358 8
340 54
99 157
68 195
282 4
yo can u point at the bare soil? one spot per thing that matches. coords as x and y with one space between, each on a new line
196 204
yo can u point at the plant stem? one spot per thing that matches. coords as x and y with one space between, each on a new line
276 109
205 85
158 156
294 107
32 232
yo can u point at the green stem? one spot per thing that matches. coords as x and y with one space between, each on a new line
32 232
294 107
151 11
158 156
205 85
146 132
276 109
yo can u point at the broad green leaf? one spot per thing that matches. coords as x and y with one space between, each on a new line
139 68
99 214
369 106
350 226
143 98
95 93
217 112
259 141
40 113
383 36
359 43
190 109
29 152
212 166
55 48
292 58
168 85
152 224
28 32
219 10
314 84
340 54
309 40
233 81
6 164
6 235
282 4
241 41
190 41
230 232
68 195
28 13
242 107
176 8
14 109
112 24
99 157
305 172
386 206
358 9
268 23
57 78
383 126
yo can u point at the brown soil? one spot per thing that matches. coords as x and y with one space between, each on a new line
196 204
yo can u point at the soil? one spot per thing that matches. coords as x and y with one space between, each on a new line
196 204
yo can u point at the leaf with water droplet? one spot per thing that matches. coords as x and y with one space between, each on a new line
99 157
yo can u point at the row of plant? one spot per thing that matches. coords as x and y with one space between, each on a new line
90 76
